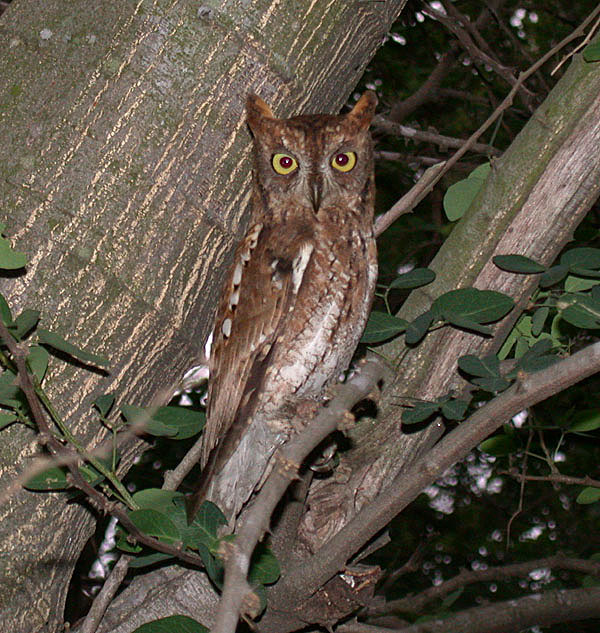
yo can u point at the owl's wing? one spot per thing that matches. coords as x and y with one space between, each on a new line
258 297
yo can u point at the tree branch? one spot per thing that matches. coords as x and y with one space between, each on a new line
70 458
380 123
553 478
510 616
302 578
415 604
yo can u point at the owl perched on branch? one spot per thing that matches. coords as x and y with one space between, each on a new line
297 296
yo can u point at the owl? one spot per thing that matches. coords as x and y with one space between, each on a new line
297 295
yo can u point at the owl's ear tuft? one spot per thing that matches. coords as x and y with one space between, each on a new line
364 110
257 111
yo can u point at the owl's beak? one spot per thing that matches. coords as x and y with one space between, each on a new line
316 193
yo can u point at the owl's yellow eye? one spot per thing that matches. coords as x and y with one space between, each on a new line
284 164
344 161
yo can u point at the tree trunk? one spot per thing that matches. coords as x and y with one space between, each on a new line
124 176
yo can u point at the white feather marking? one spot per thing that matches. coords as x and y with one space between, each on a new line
253 235
208 345
237 275
226 328
234 298
300 264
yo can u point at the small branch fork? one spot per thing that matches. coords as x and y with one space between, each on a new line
302 577
408 202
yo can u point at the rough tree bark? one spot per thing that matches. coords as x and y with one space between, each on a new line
124 177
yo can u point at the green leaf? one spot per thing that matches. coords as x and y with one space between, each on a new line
582 258
148 559
208 520
585 272
538 320
420 412
139 417
531 365
588 495
583 421
214 567
104 403
123 544
455 409
6 419
417 328
413 279
185 421
172 624
488 366
382 326
498 445
470 304
261 593
467 324
492 385
591 53
53 478
518 264
553 275
5 313
264 566
58 343
156 499
10 394
461 194
9 258
583 313
24 323
578 284
37 359
537 350
155 523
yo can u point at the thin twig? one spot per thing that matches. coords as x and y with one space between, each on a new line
400 209
397 129
106 595
65 453
409 200
555 478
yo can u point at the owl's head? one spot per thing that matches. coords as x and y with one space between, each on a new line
318 161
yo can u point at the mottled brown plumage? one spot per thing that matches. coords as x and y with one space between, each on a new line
297 295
